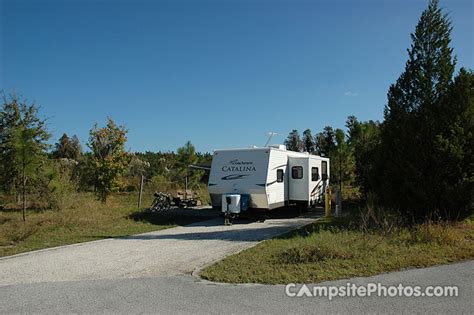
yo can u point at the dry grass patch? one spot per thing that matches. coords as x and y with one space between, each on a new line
329 250
88 220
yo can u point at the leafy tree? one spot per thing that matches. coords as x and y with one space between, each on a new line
56 184
69 148
137 166
136 172
325 141
342 161
204 159
23 142
158 163
293 141
84 173
364 138
76 148
187 156
110 159
168 167
308 141
10 118
62 147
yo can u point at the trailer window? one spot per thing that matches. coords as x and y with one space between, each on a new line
314 174
324 170
279 176
324 167
297 172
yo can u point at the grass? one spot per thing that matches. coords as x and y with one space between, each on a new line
331 250
89 220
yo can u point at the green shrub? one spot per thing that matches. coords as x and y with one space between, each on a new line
61 189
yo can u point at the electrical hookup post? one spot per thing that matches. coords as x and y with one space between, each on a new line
338 203
328 202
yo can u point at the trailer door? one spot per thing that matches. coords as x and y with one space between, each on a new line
298 179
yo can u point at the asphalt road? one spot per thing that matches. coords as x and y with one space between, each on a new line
151 273
186 294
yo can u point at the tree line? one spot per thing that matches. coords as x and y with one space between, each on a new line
343 147
419 160
50 175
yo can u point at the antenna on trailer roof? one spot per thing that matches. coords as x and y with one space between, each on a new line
270 135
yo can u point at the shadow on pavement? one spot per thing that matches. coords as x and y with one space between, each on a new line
174 216
239 235
198 216
238 232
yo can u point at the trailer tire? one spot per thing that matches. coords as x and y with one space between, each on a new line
303 207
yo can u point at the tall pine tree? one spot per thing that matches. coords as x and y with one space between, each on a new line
308 141
325 141
293 141
407 173
453 149
68 148
23 136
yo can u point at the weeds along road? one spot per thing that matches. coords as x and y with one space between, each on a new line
174 251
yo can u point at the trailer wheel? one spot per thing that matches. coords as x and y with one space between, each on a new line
264 216
303 208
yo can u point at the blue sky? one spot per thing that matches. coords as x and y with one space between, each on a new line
219 73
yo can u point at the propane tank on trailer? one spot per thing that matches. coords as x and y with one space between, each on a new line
231 203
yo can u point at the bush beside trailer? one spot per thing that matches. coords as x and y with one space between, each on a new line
266 178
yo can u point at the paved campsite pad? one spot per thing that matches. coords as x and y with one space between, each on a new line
174 251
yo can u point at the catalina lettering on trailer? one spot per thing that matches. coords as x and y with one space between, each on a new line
239 166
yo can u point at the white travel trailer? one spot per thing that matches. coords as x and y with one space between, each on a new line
266 178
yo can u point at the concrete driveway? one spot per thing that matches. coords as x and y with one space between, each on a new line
175 251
